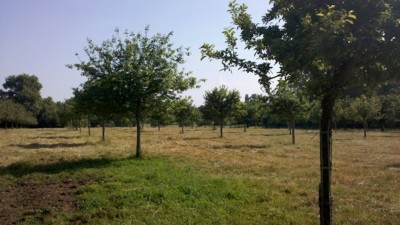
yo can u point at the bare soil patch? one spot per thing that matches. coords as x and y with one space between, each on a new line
31 200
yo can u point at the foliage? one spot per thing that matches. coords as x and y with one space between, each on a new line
219 104
11 112
161 114
48 113
24 89
183 110
331 47
135 70
364 108
289 103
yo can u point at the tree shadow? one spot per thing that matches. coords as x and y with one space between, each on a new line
393 166
56 145
270 135
240 146
20 169
199 138
55 137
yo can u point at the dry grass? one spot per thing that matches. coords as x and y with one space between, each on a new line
366 172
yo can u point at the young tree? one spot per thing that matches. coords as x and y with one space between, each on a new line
364 108
289 104
333 46
97 98
183 111
161 113
220 103
136 70
240 115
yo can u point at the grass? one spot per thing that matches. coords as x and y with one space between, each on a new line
257 177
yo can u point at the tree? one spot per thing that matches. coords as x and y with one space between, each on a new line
161 113
11 112
220 103
48 113
389 96
183 111
332 47
24 89
251 111
97 98
66 112
289 104
364 108
136 70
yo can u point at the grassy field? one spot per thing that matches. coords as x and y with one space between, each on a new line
61 176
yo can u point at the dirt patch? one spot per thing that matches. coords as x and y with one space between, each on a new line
32 200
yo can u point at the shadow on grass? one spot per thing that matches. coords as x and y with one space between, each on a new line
270 135
20 169
200 138
56 145
55 137
393 166
240 146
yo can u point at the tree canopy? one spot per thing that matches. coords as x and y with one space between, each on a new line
23 89
330 46
136 70
219 104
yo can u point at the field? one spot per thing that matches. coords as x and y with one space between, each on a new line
61 176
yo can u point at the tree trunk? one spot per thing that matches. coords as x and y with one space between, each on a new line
182 131
103 131
221 125
138 134
293 135
245 127
89 126
158 126
365 128
325 198
290 129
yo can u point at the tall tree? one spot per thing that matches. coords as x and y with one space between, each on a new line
220 103
137 70
333 46
24 89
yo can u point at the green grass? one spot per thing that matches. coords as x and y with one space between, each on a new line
159 190
257 177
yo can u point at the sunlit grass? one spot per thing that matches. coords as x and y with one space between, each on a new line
257 177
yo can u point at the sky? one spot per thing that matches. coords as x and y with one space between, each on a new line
40 37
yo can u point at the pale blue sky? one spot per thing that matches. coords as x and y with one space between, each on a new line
40 37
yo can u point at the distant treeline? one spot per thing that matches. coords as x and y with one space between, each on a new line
21 105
